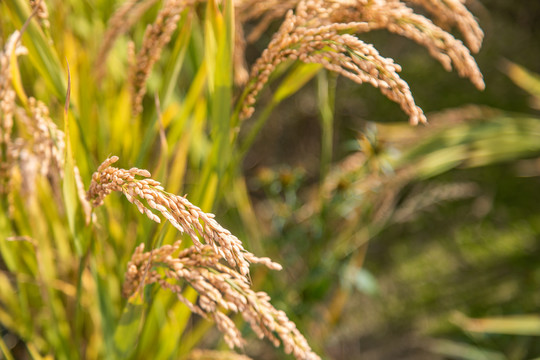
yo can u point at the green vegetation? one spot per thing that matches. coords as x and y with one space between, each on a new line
422 237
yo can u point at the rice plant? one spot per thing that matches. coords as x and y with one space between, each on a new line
163 88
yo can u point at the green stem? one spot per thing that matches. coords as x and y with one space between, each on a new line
4 349
326 90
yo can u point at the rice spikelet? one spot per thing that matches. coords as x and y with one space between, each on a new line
396 17
12 47
220 288
241 74
341 53
42 153
182 214
319 32
42 12
266 11
250 10
155 38
454 12
120 22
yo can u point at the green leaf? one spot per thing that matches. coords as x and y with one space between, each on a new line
219 44
126 335
16 78
297 78
509 325
473 144
194 95
40 51
69 185
523 78
4 350
456 350
326 91
176 61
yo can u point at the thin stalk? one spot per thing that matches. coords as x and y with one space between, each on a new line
4 349
326 91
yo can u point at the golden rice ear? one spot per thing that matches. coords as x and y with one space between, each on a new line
119 23
263 11
155 38
12 47
317 32
396 17
183 215
340 53
400 19
42 153
42 13
221 288
455 13
241 74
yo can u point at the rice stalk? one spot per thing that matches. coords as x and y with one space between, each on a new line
38 146
319 32
340 53
155 38
12 49
182 214
120 22
220 288
42 12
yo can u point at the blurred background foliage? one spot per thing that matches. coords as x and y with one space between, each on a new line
458 239
396 242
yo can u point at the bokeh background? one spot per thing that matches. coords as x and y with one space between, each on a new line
473 253
397 242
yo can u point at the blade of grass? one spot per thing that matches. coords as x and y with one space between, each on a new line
326 91
170 77
176 59
219 43
128 329
41 54
194 94
509 325
173 330
69 187
16 79
4 349
523 78
463 351
183 145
